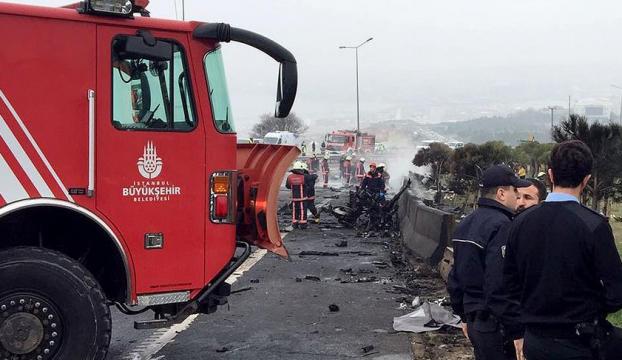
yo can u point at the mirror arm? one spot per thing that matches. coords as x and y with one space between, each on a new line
288 79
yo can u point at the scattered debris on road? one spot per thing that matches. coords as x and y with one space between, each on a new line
312 278
317 253
367 349
342 243
333 308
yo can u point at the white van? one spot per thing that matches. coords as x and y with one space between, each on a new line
281 138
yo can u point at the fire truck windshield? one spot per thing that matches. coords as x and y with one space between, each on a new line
341 139
219 94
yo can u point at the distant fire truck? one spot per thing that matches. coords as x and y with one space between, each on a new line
120 178
342 140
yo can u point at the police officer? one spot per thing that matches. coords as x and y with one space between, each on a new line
296 182
466 283
532 195
562 265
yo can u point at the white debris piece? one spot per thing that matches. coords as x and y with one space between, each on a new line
427 317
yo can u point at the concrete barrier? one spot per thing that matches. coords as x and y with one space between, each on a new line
425 230
447 262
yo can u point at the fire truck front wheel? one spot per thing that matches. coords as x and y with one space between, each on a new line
51 308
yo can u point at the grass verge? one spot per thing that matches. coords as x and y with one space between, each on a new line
616 209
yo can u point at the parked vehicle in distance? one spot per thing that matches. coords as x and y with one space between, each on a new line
281 138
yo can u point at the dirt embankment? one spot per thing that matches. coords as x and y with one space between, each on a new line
425 282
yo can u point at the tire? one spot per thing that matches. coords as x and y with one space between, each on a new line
56 302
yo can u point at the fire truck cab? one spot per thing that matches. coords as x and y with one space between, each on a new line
342 140
121 182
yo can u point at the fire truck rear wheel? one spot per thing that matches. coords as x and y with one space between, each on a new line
51 308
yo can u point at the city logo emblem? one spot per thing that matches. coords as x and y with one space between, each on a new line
150 165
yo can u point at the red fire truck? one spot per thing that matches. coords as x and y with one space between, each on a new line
342 140
121 182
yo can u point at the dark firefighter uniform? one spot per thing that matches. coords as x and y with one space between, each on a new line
296 182
325 169
314 164
359 171
310 180
374 182
562 265
466 279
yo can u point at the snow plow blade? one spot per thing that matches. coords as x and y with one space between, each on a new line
261 169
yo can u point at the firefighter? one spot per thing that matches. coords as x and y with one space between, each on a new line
373 181
313 164
347 169
382 170
296 182
359 171
325 169
310 179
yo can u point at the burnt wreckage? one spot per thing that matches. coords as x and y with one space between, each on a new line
367 212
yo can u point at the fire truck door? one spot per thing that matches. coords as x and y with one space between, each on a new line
150 159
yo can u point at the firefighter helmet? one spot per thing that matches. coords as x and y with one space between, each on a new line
382 165
299 165
348 158
362 159
373 164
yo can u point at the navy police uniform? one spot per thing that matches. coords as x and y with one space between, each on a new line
466 283
474 281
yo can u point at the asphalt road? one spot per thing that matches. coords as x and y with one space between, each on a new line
285 314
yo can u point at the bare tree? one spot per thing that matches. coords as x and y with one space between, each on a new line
269 123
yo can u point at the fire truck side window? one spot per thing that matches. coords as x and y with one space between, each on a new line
219 94
151 93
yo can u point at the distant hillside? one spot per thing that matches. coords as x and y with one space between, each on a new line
510 129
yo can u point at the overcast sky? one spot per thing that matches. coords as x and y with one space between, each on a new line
437 60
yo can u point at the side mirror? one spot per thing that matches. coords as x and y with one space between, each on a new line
286 89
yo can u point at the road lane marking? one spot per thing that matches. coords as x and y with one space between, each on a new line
161 337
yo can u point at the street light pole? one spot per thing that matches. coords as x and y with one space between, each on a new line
358 111
620 115
358 126
552 109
